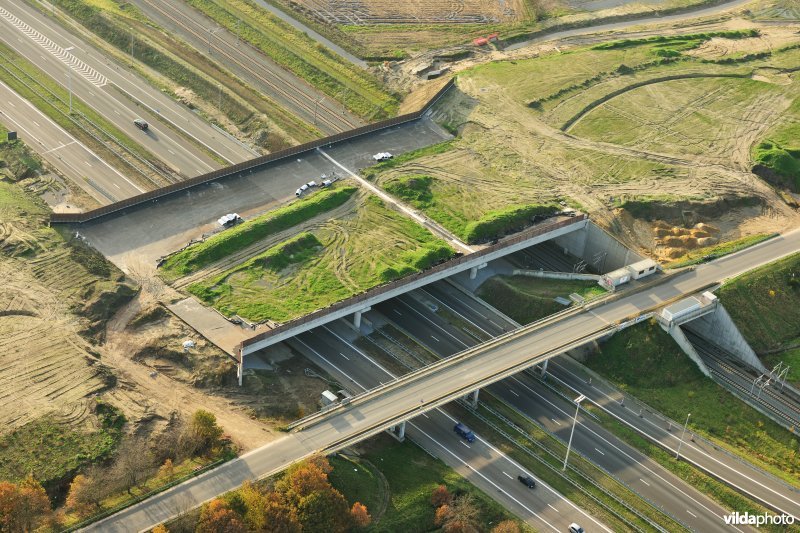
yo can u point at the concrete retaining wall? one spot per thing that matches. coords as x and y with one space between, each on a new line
677 334
555 275
720 328
598 248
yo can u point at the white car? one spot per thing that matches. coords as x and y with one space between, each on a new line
325 183
231 219
312 183
298 193
575 528
382 156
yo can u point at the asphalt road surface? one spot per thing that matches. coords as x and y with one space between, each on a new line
148 232
420 394
479 461
541 404
63 151
117 94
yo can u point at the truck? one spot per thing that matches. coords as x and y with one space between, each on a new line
464 432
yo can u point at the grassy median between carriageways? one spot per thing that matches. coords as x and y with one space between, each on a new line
225 243
340 257
295 51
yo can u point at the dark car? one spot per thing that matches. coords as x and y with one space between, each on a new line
141 124
464 432
527 481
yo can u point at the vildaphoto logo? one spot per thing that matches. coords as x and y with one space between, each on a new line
748 519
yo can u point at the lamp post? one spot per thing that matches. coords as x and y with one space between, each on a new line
678 454
69 79
578 401
316 107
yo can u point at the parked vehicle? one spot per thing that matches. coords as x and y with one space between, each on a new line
298 193
325 183
575 528
312 183
229 220
528 481
464 432
141 124
382 156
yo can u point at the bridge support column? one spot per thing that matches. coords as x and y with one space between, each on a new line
543 367
472 399
357 317
473 272
398 431
240 368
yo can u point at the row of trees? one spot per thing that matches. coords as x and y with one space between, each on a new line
302 500
25 506
138 461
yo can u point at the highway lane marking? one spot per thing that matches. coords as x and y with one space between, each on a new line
426 416
691 513
362 354
117 112
598 451
492 483
509 477
398 312
464 443
88 164
12 105
117 186
343 355
432 323
434 338
36 124
556 421
514 393
553 508
462 315
62 145
170 151
518 466
645 482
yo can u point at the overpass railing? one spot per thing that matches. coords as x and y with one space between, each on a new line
539 229
140 199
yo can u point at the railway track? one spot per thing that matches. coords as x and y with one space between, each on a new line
723 367
334 121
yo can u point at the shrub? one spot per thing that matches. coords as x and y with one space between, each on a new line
497 223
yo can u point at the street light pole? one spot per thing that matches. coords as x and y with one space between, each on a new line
316 106
678 454
578 401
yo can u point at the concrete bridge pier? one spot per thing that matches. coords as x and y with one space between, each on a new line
473 272
472 399
357 316
398 431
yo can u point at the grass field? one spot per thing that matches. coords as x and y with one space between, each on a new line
645 362
765 304
53 288
342 257
780 150
356 88
664 123
526 299
412 475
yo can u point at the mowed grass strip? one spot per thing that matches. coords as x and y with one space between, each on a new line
344 257
359 90
229 241
646 363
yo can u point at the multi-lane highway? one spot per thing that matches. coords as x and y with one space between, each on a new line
117 94
549 409
77 162
420 392
252 65
479 461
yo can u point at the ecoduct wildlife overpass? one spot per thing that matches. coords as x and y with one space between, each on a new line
393 403
361 303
